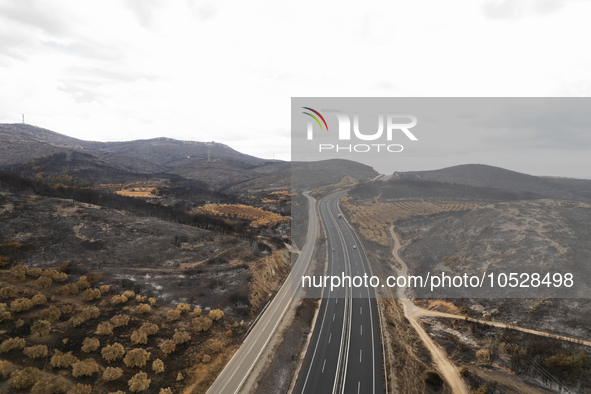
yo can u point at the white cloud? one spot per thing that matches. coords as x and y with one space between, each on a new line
225 71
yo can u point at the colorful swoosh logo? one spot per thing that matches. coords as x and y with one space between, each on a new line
315 118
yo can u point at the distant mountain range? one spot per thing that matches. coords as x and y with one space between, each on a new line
212 165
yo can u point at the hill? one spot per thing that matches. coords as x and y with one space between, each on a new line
31 150
484 176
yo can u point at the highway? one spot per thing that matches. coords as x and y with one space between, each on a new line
345 353
233 376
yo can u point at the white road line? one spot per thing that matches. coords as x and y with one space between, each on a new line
361 329
333 315
361 310
323 365
360 351
358 387
329 337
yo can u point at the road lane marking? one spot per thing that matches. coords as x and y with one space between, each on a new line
360 352
333 315
358 387
361 329
329 337
361 310
323 365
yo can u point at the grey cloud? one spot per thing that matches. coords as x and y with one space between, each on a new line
78 93
35 14
204 11
507 9
144 11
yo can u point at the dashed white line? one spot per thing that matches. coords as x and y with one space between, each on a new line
360 351
361 310
361 329
333 316
358 387
329 337
323 365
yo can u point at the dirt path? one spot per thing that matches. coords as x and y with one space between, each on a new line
413 313
418 311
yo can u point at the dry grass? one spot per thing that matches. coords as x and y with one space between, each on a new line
258 216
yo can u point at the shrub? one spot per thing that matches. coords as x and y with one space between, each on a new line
6 368
153 301
201 323
49 385
50 273
66 309
167 390
104 328
81 389
139 382
197 312
8 292
158 366
91 294
105 288
128 294
173 315
481 390
34 272
63 360
112 373
21 305
83 283
36 351
70 288
24 378
213 346
136 358
94 278
139 337
90 345
4 261
12 343
43 282
119 299
229 333
19 271
168 346
206 359
216 314
183 308
91 312
39 299
19 322
483 356
181 337
179 377
149 328
143 308
64 267
41 327
120 320
140 298
4 314
60 277
50 314
84 368
113 352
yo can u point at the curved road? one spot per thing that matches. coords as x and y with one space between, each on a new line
345 353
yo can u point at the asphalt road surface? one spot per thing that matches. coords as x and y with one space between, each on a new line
345 352
233 376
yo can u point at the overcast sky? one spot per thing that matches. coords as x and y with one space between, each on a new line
226 70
